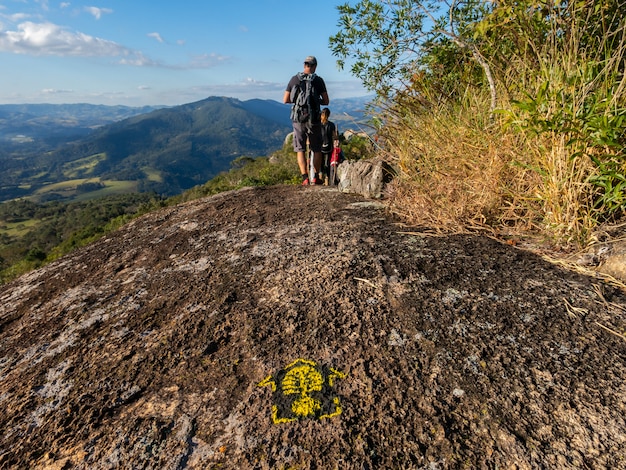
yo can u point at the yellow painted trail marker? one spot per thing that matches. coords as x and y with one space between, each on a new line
303 389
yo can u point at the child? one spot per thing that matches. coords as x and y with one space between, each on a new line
329 134
335 159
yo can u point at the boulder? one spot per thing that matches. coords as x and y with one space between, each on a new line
298 327
364 177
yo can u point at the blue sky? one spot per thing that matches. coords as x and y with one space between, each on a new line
139 52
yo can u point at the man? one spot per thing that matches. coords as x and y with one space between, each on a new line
309 130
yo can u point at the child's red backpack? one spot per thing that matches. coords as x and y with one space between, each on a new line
337 157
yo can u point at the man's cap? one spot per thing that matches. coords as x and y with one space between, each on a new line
311 60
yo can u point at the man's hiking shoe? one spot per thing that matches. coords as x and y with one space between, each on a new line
316 180
305 182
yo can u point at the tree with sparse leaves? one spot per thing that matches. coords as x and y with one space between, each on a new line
390 40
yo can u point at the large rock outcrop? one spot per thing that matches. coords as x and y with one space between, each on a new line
297 327
364 177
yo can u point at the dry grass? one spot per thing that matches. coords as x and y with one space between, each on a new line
563 192
446 173
458 175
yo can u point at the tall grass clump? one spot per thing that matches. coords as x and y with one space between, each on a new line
453 170
550 156
567 102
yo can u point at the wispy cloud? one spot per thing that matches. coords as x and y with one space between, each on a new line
54 91
156 36
98 12
137 59
245 89
16 17
43 3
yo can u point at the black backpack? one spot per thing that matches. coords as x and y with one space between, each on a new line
305 107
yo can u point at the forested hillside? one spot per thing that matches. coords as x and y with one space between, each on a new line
165 151
32 233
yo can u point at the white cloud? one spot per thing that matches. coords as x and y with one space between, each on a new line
45 39
98 12
65 4
156 36
17 17
137 59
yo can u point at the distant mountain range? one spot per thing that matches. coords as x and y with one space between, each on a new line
64 151
46 125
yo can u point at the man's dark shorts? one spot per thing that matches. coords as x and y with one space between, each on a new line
303 131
